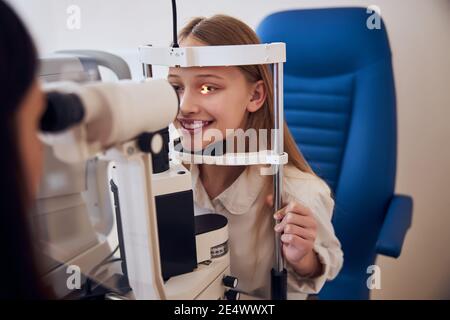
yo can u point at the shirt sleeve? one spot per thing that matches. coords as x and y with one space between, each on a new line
316 195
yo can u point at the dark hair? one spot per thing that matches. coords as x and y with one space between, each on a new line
19 278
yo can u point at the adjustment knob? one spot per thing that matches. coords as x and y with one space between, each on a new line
232 295
230 282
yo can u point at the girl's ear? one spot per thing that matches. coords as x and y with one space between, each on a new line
258 97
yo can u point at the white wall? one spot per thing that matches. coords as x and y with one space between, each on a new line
420 38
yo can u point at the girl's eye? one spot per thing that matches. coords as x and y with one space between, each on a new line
206 89
177 88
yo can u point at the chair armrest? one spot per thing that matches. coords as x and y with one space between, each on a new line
396 223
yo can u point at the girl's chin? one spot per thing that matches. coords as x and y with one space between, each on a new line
198 140
197 145
193 147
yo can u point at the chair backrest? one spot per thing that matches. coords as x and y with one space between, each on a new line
341 109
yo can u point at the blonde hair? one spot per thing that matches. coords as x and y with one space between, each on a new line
225 30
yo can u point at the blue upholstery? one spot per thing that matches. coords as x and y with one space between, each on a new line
341 109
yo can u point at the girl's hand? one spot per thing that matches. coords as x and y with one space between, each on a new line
298 232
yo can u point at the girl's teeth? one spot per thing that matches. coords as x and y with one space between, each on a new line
195 125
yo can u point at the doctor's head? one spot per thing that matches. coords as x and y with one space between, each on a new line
22 103
221 98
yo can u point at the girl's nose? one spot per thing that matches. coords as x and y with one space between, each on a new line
188 105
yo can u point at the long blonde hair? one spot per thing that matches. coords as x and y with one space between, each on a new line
225 30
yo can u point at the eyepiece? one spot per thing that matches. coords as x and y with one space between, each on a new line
63 111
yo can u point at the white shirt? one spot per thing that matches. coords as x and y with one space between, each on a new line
242 204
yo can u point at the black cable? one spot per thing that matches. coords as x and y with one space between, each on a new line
95 269
112 260
174 17
89 288
104 261
104 264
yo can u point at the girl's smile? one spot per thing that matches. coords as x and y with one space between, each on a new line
194 126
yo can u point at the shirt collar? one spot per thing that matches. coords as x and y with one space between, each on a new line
238 197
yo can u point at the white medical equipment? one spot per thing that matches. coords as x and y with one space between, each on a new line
107 176
235 55
121 153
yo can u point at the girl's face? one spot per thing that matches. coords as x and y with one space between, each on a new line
212 98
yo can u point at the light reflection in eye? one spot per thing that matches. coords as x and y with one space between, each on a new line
206 89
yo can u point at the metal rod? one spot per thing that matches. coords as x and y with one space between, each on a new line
278 149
